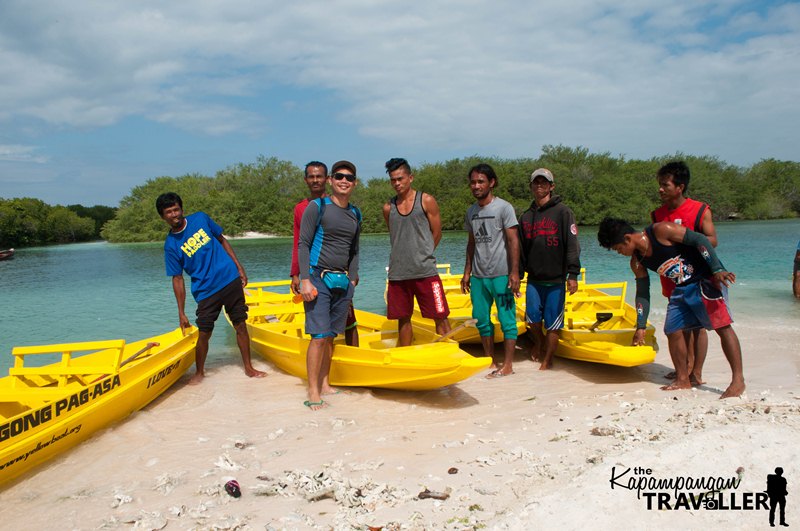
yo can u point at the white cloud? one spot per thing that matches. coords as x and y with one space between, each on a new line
636 77
17 153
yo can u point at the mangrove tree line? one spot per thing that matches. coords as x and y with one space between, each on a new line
261 196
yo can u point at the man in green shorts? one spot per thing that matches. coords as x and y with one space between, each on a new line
491 271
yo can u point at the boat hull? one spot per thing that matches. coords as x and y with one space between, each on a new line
376 362
32 433
610 342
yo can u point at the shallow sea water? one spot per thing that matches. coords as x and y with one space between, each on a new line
94 291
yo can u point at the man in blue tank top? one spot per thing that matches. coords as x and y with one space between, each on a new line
415 229
195 244
699 299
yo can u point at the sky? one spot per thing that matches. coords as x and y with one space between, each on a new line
97 97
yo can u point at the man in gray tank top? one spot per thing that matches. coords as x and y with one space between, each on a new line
415 229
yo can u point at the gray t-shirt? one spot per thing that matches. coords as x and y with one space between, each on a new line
487 225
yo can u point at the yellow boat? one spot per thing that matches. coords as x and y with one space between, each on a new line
599 327
598 323
461 310
276 327
48 409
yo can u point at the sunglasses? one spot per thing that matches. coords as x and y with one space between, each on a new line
349 176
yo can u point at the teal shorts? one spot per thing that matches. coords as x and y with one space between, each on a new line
487 291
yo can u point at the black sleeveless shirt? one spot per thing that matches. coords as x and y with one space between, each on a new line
682 264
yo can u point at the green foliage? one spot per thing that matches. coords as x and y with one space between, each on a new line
99 213
246 197
261 196
27 221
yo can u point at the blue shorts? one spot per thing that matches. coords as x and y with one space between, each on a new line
327 314
698 305
545 300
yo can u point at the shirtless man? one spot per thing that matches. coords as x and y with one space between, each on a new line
699 298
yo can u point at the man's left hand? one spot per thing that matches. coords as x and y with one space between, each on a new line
572 286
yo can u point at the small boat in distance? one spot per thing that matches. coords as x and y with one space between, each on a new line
45 410
8 254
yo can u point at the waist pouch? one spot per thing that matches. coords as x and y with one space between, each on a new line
337 281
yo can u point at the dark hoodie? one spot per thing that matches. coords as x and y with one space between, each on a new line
549 239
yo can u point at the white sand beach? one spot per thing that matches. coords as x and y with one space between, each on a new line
536 450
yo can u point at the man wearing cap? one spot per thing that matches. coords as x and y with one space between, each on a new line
316 175
550 255
415 229
328 256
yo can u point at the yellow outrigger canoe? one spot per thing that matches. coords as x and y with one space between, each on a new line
599 327
276 327
461 310
598 323
48 409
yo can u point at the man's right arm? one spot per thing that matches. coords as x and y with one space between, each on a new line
642 301
468 263
308 229
294 272
179 288
386 209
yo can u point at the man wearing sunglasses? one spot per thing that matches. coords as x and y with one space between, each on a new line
316 176
328 256
415 229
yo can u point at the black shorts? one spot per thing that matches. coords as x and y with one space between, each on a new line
231 297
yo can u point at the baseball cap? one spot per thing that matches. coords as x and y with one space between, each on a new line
343 164
542 172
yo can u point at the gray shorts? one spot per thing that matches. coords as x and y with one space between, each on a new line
327 314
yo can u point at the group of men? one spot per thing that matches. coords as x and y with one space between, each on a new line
501 249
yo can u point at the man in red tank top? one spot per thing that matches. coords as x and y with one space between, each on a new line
673 184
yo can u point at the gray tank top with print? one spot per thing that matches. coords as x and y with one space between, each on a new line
412 242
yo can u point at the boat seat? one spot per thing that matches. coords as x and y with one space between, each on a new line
274 309
69 368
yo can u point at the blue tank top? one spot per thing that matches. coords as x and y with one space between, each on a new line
682 264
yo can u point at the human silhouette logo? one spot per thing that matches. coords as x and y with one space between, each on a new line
776 490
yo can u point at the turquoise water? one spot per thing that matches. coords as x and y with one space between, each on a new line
95 291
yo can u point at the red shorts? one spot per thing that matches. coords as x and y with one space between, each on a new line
428 291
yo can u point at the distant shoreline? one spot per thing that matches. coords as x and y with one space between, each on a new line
252 235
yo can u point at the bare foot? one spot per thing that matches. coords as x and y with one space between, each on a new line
696 380
676 385
332 391
734 389
197 378
253 373
546 365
